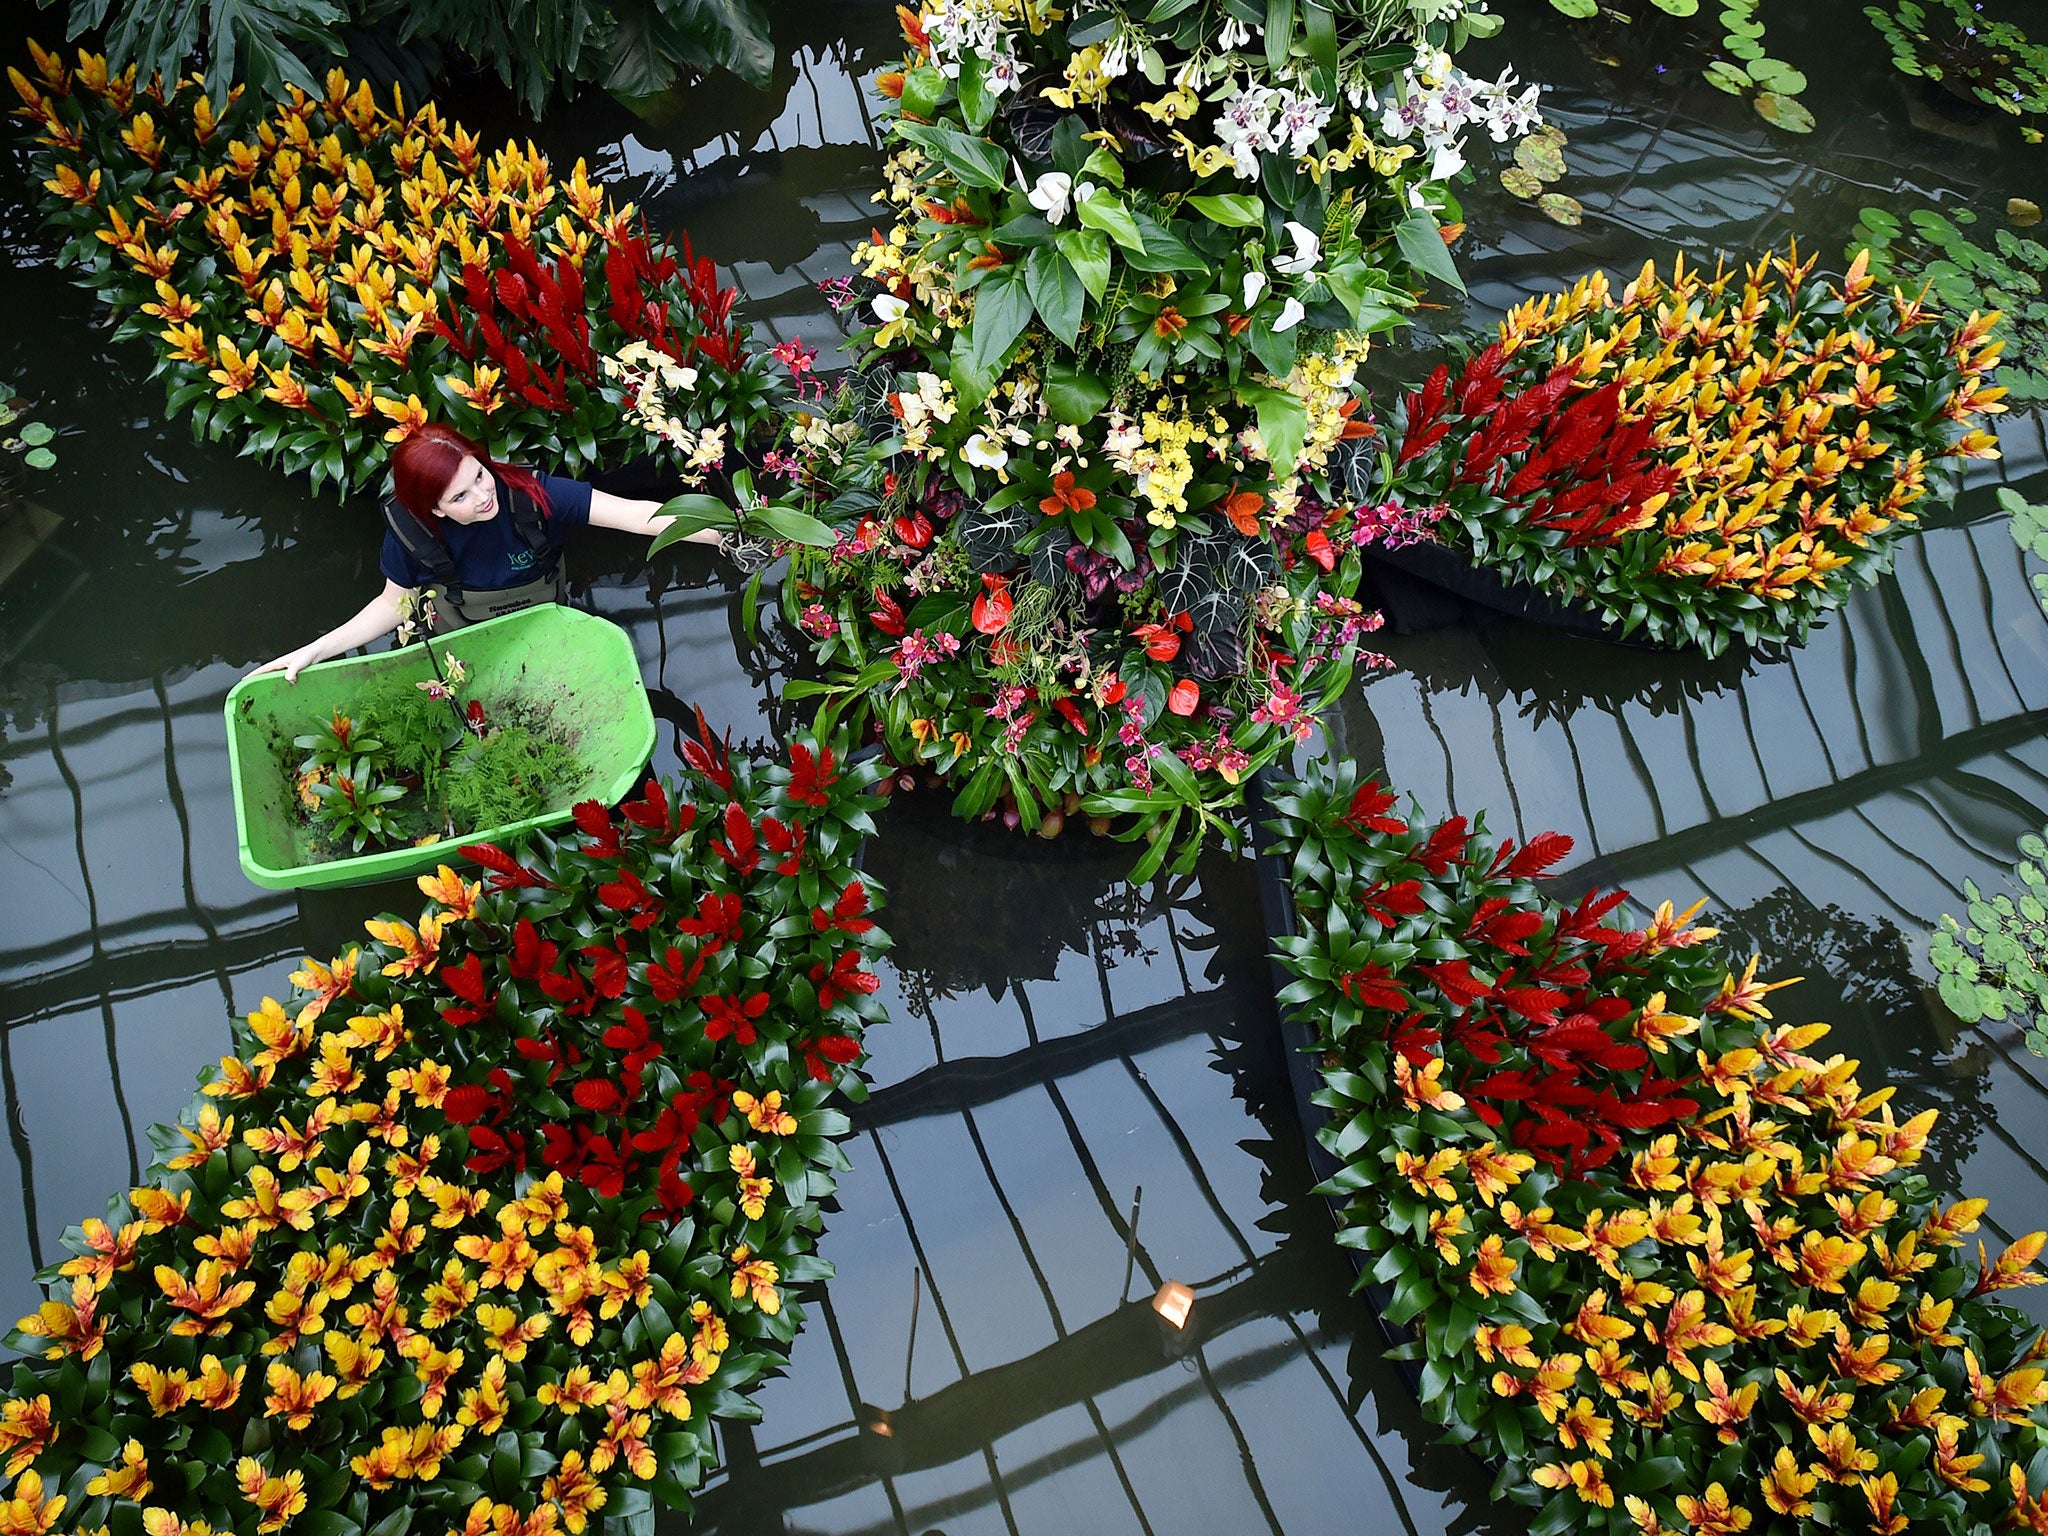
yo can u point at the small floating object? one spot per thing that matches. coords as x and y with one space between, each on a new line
1174 1302
2023 213
582 666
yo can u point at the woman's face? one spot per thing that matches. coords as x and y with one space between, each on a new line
471 496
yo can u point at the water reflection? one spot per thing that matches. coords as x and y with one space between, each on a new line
1060 1038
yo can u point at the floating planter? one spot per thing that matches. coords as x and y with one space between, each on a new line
1663 1266
567 682
1701 459
481 1227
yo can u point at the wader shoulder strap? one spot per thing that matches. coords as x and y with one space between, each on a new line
427 552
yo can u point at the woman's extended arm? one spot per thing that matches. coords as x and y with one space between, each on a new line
379 616
641 517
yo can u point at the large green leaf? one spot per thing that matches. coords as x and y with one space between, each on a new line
1422 245
1056 290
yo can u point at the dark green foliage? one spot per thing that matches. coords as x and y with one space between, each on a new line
1978 270
1993 968
263 42
506 777
537 47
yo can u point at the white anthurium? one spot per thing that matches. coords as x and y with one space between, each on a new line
1308 250
889 309
1052 195
1254 285
984 452
1450 160
1291 314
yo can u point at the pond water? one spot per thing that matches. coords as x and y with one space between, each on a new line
1059 1038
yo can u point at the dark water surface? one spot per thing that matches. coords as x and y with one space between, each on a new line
1058 1038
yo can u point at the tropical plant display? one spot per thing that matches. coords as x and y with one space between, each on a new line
1700 457
1102 458
632 46
1998 270
1973 49
481 1228
318 276
1665 1266
1992 968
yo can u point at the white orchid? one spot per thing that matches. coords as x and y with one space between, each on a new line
1308 251
1235 34
1052 195
1291 314
1254 285
984 452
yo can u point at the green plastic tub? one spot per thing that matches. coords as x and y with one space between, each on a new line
583 664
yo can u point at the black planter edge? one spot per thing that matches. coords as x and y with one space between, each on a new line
1451 570
1297 1043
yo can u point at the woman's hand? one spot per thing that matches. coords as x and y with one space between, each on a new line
290 663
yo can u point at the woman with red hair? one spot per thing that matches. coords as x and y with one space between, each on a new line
474 538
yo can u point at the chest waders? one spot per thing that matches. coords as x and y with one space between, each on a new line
453 604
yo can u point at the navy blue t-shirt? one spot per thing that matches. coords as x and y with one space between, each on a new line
491 556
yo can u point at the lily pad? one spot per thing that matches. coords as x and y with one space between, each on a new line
1522 182
39 458
1568 211
1540 157
36 433
1777 75
2022 213
1732 78
1578 10
1784 112
1679 7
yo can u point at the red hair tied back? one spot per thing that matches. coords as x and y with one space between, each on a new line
424 463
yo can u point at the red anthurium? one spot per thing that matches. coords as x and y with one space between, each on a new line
1071 713
1066 496
1187 693
993 608
1161 643
887 615
914 530
845 916
1317 543
1112 691
732 1016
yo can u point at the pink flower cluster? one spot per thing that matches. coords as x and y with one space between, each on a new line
1393 526
916 653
